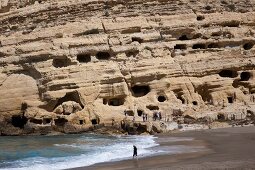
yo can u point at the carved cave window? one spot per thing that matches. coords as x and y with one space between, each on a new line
139 91
199 46
245 76
230 100
152 107
183 37
19 121
228 73
103 56
84 58
116 102
60 121
138 39
248 46
180 47
161 98
59 63
139 112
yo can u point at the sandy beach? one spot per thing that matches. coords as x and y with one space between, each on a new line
227 148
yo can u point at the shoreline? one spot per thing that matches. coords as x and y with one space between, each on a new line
220 149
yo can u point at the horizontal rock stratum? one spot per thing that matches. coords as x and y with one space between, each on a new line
74 65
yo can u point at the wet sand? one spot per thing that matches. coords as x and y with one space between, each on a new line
228 148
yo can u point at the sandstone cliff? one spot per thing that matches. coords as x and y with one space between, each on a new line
70 66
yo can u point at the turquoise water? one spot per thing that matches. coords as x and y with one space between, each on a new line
68 151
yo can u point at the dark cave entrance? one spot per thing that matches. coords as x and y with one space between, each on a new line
221 117
213 45
180 47
36 121
248 46
200 17
245 76
59 63
94 121
70 96
19 121
183 37
137 39
199 46
152 107
139 91
103 56
60 121
81 122
195 103
161 98
228 73
139 112
46 121
116 102
230 99
84 58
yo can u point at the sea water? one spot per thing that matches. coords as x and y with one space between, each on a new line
69 151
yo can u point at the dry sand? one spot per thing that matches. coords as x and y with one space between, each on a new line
229 148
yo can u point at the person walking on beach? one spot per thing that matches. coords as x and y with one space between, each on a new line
134 152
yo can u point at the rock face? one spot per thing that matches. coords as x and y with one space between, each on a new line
71 66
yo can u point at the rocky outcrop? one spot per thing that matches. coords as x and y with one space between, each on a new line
73 66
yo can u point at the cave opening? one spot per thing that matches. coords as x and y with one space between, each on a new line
60 121
36 121
221 117
138 39
228 73
116 102
213 45
19 121
180 47
46 120
231 24
208 7
140 90
59 63
245 76
216 34
94 121
81 122
230 99
183 37
199 46
103 56
70 96
161 98
152 107
132 53
139 113
195 103
248 46
129 112
200 17
84 58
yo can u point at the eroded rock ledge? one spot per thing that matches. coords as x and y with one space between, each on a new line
75 66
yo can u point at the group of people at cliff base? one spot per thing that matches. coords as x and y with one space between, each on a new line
157 116
145 117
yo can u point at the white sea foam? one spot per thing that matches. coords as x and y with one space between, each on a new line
121 149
